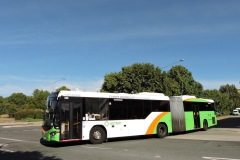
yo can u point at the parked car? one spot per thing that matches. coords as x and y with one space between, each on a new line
237 109
235 112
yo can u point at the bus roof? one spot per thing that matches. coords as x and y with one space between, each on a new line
188 98
199 100
143 95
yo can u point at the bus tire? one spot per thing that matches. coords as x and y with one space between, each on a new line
205 125
97 135
162 130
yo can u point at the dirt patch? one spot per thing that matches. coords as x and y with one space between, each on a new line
7 120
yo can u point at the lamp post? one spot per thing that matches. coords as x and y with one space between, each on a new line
181 60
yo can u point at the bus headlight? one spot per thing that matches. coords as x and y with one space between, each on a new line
53 133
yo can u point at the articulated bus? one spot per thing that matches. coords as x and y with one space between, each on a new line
94 116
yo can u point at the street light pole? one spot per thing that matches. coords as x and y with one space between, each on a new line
181 60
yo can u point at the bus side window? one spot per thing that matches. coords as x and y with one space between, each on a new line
147 108
187 106
155 106
96 108
91 107
118 109
135 109
160 106
104 109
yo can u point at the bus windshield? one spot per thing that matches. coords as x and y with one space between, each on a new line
51 116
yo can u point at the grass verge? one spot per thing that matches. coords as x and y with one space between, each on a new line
12 120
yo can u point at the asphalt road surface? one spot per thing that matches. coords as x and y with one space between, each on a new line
219 143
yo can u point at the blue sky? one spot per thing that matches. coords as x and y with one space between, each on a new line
42 42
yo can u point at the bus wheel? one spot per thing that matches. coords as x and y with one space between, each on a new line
162 130
97 135
205 125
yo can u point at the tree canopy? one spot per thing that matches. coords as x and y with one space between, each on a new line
145 77
20 104
19 101
232 93
179 81
134 79
63 88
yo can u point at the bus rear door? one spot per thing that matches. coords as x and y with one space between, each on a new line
196 116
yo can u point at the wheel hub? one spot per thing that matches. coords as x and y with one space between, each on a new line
97 135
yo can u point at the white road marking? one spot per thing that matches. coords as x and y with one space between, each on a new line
5 150
18 140
20 125
3 145
15 126
218 158
9 139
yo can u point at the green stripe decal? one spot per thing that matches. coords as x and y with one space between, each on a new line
196 100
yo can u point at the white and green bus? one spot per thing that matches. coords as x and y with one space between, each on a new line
94 116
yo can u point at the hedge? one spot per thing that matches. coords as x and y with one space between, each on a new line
28 113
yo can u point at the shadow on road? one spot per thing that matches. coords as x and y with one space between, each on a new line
61 144
119 139
230 122
25 156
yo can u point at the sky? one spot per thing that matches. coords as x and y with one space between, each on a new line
50 43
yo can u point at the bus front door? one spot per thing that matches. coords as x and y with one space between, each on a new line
71 120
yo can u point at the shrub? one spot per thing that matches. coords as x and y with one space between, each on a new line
28 113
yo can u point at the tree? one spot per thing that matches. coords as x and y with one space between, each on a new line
139 77
183 82
63 88
39 98
18 99
146 77
112 83
9 109
6 107
232 92
170 86
2 107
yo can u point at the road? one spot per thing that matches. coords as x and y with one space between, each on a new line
219 143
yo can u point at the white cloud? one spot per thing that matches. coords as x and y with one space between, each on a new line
17 84
94 85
